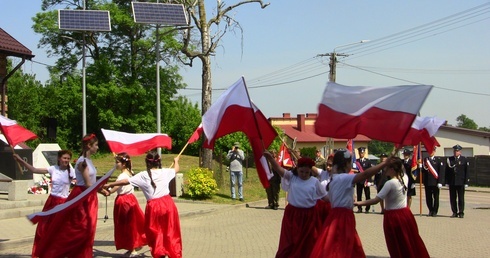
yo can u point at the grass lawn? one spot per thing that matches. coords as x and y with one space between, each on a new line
252 188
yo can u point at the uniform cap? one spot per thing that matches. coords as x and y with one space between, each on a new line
361 149
407 151
457 147
383 155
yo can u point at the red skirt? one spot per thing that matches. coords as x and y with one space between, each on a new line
71 232
402 234
129 223
323 210
162 227
41 225
339 237
299 231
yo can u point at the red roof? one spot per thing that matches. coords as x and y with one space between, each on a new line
12 47
309 135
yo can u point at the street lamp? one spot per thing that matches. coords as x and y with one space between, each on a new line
333 58
84 88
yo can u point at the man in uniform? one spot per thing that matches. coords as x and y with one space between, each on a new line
432 177
364 186
457 180
319 160
407 164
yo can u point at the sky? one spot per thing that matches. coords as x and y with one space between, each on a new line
444 43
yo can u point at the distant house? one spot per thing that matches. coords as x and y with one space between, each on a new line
474 142
301 129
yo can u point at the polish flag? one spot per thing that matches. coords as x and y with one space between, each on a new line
36 217
135 143
284 157
235 112
14 133
380 113
415 161
423 130
196 135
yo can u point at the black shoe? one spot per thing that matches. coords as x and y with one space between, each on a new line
367 211
359 211
461 215
276 207
455 215
434 214
241 199
430 214
269 207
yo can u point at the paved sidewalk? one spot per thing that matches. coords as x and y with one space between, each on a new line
218 230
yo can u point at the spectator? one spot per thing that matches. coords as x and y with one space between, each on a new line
236 157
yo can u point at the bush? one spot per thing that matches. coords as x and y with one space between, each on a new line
200 183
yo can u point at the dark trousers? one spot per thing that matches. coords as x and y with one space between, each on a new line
456 191
432 198
273 191
367 192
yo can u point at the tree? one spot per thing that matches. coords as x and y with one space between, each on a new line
120 72
201 43
466 122
377 147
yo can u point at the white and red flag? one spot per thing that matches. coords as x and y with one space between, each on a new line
284 157
196 135
36 217
423 130
380 113
235 112
135 143
14 133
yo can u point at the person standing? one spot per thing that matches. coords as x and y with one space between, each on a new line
274 188
432 176
363 186
407 164
61 178
162 223
300 224
457 180
72 232
319 160
401 232
236 157
129 220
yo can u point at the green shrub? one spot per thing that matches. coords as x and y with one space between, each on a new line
200 183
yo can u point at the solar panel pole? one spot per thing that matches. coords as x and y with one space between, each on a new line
157 49
84 89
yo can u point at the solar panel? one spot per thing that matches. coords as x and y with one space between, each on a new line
159 13
84 20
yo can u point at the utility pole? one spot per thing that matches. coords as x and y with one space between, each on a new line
333 64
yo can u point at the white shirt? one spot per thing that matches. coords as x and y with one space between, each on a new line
324 178
303 193
60 181
161 178
124 189
92 171
341 191
393 194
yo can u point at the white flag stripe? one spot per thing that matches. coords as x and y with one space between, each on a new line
7 122
128 138
386 98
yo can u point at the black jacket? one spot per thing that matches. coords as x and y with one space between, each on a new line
457 171
428 179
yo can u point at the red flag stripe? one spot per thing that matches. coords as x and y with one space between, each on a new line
14 133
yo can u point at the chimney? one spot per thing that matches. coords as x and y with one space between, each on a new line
301 122
311 115
286 115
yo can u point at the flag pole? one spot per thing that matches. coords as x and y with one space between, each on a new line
253 113
180 153
420 176
18 164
